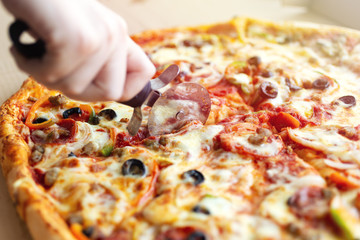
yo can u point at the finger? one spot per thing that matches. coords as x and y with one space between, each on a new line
109 81
98 68
139 71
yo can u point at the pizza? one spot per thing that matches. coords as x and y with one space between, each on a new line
277 158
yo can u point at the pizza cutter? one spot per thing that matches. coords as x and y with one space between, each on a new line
171 110
148 96
177 106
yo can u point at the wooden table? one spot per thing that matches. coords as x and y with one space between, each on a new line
140 15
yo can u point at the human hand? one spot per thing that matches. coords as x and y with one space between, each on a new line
89 55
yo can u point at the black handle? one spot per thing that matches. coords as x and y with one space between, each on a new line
32 50
139 99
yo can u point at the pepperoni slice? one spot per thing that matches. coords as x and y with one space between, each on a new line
177 106
69 129
64 132
309 202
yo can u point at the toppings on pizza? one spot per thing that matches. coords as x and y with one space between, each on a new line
258 137
348 101
310 202
108 114
133 168
193 176
57 100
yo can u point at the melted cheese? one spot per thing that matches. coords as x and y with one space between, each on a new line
196 141
329 142
267 148
234 182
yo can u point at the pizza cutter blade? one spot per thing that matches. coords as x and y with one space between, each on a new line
148 95
177 106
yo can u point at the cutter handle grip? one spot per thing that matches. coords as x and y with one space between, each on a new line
28 50
139 99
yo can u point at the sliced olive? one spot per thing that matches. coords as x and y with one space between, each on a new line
95 120
268 90
88 231
200 209
71 111
71 154
349 100
194 176
321 83
255 61
196 235
133 167
108 114
39 120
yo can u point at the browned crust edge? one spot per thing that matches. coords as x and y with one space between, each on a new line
40 216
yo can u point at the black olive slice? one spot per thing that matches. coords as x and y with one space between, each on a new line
39 120
133 167
108 114
194 176
321 83
268 90
200 209
71 111
94 121
196 235
88 231
349 100
71 154
255 61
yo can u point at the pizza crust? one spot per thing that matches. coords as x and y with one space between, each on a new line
38 213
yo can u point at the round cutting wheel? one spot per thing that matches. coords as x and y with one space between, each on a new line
177 106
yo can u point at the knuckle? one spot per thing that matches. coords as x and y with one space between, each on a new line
149 69
73 89
122 26
87 43
54 38
112 94
116 32
48 77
